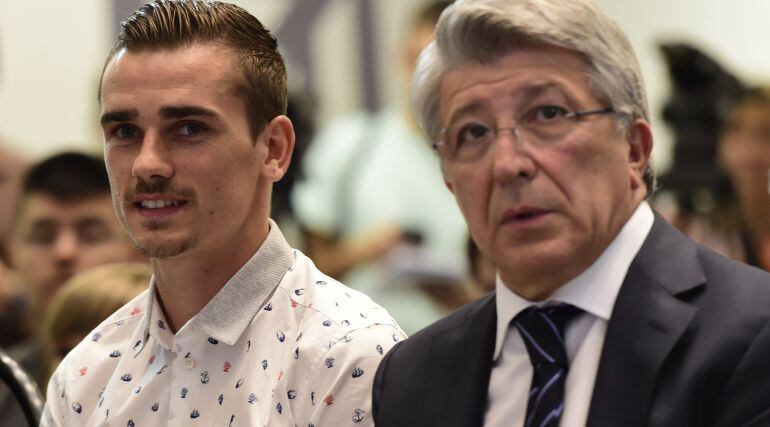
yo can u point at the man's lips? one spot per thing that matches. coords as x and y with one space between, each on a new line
523 214
156 205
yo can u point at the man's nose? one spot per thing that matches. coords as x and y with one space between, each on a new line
153 161
512 158
66 245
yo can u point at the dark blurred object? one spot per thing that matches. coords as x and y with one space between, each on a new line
703 93
301 110
23 389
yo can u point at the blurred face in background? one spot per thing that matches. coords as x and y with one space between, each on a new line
55 239
744 150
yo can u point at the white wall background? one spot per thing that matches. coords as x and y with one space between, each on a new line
51 54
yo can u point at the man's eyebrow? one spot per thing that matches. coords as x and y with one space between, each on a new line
119 116
465 110
526 93
185 111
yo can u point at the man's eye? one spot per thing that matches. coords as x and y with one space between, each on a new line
42 235
191 129
126 132
547 113
472 132
93 231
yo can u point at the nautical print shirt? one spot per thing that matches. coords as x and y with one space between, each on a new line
281 344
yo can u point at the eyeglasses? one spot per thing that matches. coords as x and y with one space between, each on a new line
467 141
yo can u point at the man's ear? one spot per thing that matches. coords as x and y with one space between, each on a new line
279 139
640 148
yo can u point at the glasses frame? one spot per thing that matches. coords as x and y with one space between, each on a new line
571 115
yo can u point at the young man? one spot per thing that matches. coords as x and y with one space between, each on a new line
236 328
603 314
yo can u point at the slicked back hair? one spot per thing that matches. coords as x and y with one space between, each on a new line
168 24
484 31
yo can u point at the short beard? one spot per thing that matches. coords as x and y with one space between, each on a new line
163 252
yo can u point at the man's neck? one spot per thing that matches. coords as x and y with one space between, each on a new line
186 285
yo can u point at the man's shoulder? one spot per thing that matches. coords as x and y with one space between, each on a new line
457 320
332 312
728 295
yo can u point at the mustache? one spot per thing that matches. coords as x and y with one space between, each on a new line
158 187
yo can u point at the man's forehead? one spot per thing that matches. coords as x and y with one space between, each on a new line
159 78
37 203
191 64
519 74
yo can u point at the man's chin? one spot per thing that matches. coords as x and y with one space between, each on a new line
163 250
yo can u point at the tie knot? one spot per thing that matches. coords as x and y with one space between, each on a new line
542 330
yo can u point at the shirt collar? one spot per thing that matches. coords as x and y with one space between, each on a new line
595 289
230 312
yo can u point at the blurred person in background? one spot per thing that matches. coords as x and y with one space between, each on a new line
738 225
83 302
372 215
64 224
12 301
744 154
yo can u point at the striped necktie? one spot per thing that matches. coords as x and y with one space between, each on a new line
542 330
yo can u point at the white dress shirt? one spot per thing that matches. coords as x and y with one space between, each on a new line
281 344
594 291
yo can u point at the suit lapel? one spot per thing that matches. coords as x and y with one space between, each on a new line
647 321
463 362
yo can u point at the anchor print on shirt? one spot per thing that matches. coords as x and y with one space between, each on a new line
205 377
183 393
280 335
357 372
77 407
358 415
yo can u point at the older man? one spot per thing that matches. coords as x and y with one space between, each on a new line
237 328
603 314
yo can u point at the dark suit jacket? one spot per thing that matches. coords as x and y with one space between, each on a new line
688 344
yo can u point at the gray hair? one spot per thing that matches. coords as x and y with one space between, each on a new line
482 31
